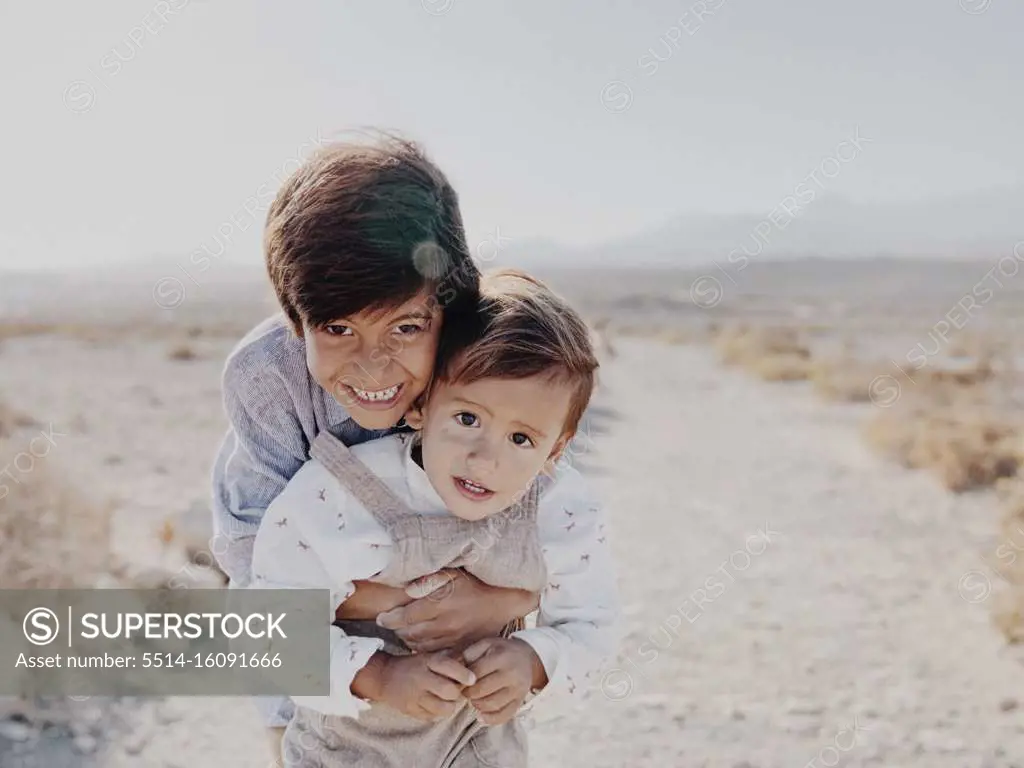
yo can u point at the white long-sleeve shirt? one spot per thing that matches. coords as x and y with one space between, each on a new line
316 535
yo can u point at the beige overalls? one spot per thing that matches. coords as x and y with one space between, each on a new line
503 552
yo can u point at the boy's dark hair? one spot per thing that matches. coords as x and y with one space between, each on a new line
367 227
522 328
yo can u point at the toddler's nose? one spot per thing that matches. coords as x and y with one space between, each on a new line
482 461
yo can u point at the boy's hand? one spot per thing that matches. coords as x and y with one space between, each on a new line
460 610
506 671
371 599
426 686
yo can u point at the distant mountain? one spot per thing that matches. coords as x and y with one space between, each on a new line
984 224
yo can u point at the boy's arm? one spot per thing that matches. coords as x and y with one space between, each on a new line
577 628
263 448
298 547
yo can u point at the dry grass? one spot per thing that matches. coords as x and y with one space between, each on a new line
848 379
50 536
957 419
182 353
1008 614
13 329
951 420
1008 609
782 367
966 441
110 333
977 372
674 336
844 380
53 537
772 354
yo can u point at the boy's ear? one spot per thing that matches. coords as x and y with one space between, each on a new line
414 416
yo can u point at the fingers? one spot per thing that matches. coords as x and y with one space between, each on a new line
477 650
429 644
445 689
421 714
495 702
393 619
416 612
437 707
503 715
488 664
417 633
449 668
485 686
428 710
430 583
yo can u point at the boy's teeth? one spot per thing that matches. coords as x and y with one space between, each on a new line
384 394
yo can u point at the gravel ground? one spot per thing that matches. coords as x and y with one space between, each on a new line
788 598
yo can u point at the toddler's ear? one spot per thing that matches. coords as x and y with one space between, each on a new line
556 453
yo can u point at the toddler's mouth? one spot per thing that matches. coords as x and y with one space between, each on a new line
472 490
379 398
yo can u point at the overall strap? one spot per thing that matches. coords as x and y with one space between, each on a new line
379 500
528 503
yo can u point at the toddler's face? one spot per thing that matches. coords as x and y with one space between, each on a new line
483 443
377 364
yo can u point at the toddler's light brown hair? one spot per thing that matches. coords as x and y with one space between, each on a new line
522 329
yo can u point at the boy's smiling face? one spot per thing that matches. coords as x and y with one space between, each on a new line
377 363
483 443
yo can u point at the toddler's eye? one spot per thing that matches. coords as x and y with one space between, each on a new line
466 419
522 439
337 329
408 329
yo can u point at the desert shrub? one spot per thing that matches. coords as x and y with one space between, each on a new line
182 353
51 537
676 336
1008 614
967 444
13 329
978 371
783 367
849 380
737 344
1008 563
771 353
844 380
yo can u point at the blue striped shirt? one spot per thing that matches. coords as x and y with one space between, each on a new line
275 410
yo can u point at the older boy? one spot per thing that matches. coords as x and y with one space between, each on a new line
366 251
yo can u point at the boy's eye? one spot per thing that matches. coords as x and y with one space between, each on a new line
409 329
466 419
522 439
337 329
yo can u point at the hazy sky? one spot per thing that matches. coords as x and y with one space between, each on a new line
121 141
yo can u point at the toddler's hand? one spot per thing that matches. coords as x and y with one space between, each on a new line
426 686
506 671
